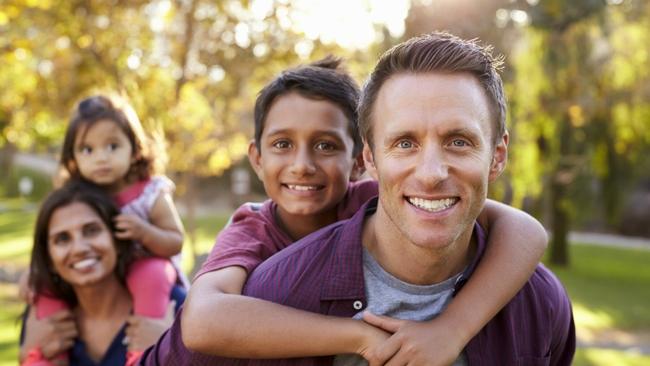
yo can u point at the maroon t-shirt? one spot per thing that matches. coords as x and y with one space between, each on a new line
254 235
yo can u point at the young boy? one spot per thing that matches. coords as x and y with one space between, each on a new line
307 154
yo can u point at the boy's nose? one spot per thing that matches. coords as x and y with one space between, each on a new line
303 163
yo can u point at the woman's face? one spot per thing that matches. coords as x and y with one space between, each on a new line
80 245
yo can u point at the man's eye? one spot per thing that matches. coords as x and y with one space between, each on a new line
325 146
282 144
459 143
405 144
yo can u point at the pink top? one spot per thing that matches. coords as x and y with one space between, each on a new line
253 234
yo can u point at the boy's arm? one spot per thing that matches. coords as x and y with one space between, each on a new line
516 242
163 236
217 320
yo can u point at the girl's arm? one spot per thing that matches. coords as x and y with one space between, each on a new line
516 243
217 320
163 236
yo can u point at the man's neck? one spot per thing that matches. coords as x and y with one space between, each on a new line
409 262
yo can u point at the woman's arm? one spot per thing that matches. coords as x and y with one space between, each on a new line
516 242
218 320
163 236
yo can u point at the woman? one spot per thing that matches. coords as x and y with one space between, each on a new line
77 258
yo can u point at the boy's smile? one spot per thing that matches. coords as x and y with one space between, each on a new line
305 158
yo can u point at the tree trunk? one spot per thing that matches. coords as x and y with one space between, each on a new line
190 219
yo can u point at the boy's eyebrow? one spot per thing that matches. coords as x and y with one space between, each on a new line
289 131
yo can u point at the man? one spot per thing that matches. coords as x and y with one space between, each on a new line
432 116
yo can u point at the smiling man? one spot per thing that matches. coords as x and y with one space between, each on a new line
433 120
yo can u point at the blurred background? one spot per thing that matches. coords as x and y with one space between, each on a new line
577 78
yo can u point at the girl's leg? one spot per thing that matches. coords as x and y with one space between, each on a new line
46 305
150 281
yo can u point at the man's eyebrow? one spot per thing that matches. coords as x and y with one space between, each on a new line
463 131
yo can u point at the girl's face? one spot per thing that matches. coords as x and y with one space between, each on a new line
103 154
80 245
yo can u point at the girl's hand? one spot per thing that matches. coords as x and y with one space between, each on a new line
130 227
142 332
25 293
53 335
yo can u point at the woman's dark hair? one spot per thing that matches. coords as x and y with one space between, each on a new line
42 278
149 157
322 80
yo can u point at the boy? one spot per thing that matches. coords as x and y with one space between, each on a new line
306 152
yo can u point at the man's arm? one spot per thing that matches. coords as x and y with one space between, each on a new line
218 320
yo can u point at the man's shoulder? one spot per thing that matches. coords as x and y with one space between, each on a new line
546 283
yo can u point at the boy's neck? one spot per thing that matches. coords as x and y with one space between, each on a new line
299 226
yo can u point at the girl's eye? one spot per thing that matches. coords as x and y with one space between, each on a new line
282 144
325 146
405 144
113 146
86 150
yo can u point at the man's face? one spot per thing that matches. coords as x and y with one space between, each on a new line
305 158
433 157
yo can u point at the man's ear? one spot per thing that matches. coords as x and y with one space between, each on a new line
369 160
254 157
358 168
499 158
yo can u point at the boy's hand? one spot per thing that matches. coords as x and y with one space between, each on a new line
53 335
130 227
414 343
372 340
142 332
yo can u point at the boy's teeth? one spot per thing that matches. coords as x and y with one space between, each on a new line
84 263
302 188
432 205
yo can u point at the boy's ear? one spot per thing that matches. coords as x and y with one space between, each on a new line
254 158
358 168
369 160
499 158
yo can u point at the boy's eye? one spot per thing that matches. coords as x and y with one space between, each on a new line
281 144
325 146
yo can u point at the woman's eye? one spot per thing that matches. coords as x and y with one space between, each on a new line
282 144
325 146
61 239
92 229
405 144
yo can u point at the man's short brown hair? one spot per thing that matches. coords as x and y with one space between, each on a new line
438 52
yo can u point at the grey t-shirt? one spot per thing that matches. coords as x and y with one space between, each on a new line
387 295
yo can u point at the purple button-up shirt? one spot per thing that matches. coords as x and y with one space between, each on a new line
323 273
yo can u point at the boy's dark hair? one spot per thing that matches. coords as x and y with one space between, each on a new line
42 278
438 52
147 154
322 80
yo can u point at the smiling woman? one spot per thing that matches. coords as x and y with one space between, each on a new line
77 258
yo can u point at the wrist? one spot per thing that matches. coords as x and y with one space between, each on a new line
459 329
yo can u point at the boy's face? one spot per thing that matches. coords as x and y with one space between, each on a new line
305 158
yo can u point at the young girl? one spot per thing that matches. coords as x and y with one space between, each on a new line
105 144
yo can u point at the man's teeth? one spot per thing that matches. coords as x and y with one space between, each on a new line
84 263
302 188
432 205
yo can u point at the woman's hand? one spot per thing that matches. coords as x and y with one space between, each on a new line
53 335
142 332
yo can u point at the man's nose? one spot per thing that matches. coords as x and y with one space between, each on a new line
433 166
303 162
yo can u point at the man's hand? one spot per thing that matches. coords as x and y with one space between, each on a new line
53 335
130 227
413 343
142 332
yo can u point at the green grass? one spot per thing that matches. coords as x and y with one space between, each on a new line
606 357
609 287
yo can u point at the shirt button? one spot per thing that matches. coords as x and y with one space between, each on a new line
357 305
